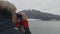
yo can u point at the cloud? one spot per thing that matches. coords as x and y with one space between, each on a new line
43 5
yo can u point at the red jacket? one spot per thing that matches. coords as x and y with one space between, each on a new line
25 23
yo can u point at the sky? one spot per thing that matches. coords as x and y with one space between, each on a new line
49 6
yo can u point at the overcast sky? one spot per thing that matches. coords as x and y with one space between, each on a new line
50 6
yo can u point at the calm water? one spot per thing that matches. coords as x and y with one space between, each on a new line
44 27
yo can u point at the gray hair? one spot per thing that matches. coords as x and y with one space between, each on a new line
7 5
6 9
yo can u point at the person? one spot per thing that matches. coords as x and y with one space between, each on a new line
8 18
22 23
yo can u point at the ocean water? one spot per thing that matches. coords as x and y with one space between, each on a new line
44 27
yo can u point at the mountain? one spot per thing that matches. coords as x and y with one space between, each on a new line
36 14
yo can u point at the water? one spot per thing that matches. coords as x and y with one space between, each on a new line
44 27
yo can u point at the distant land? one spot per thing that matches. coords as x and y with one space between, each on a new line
36 14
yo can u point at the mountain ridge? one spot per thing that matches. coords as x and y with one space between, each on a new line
36 14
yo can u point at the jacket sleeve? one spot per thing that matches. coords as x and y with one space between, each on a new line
27 31
17 24
26 24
